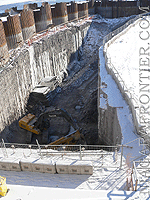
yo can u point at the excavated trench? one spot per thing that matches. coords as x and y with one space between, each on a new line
77 93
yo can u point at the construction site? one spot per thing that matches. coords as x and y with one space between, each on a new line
75 100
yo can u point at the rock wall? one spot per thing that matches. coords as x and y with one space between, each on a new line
48 57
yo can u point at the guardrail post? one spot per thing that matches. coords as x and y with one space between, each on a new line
116 155
121 156
80 153
136 185
30 149
4 149
39 147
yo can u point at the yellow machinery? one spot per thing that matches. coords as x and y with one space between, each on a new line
3 186
37 125
71 138
27 122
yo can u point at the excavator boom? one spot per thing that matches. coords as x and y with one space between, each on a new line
36 125
68 139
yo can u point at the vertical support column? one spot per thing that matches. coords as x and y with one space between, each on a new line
59 13
39 148
91 8
80 153
72 11
121 156
13 31
43 17
82 10
4 55
46 13
27 23
4 149
97 7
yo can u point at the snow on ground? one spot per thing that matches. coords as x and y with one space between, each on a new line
106 176
130 56
105 167
115 99
124 54
30 193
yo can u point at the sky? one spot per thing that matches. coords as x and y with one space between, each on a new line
6 4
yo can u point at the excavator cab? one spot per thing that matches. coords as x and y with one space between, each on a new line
28 123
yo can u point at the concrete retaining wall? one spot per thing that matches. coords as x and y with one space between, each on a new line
116 11
25 165
104 11
62 167
44 166
91 11
47 166
78 167
10 165
126 96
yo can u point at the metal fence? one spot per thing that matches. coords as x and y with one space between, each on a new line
120 29
73 148
60 150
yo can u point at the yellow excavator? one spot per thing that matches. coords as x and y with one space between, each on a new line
37 125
